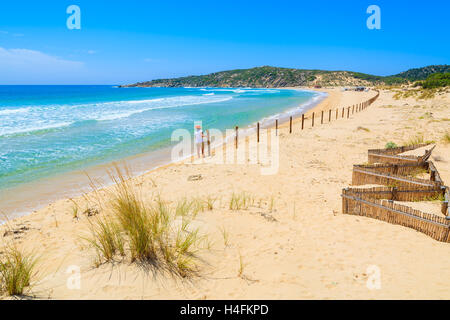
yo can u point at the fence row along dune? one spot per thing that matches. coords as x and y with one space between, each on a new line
346 112
396 173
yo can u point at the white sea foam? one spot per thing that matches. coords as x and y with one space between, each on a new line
34 128
13 111
54 116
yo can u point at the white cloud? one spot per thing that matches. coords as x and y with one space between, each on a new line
25 65
20 57
92 52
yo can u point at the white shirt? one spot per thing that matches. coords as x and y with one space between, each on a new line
198 136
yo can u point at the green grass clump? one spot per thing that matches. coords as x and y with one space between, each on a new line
390 145
17 269
240 201
446 137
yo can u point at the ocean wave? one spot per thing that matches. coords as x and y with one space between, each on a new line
41 118
161 103
13 111
33 130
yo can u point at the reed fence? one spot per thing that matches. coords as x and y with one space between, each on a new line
400 184
376 174
391 155
386 210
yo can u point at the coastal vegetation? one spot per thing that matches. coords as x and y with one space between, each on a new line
17 270
436 80
267 76
391 145
240 201
423 73
149 234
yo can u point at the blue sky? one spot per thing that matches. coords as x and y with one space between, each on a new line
136 40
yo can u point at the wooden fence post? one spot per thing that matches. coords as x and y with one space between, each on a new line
337 113
303 121
348 112
276 127
343 110
237 129
444 209
353 109
257 131
312 123
290 124
321 118
329 116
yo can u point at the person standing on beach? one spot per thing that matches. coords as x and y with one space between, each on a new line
198 136
208 141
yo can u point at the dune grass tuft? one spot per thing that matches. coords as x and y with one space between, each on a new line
241 266
107 239
147 232
75 209
210 201
226 236
419 139
240 201
446 137
17 270
183 207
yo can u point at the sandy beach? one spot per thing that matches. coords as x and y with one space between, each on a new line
292 243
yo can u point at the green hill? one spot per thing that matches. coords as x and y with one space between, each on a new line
423 73
264 77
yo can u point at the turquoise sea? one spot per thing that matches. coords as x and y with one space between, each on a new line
47 131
